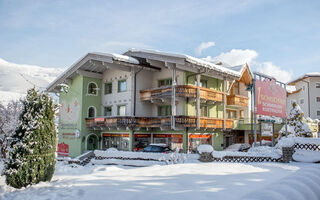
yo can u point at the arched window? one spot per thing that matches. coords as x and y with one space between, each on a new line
92 89
91 111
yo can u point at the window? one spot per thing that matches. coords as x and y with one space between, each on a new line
318 112
91 111
108 111
164 110
317 85
122 86
318 99
164 82
236 88
304 88
301 101
107 88
241 114
122 110
92 89
231 114
203 83
204 111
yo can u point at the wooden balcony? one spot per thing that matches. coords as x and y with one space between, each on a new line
150 122
186 91
237 100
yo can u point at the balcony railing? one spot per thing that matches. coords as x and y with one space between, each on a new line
149 122
189 91
237 100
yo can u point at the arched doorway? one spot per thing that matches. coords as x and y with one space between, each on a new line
92 142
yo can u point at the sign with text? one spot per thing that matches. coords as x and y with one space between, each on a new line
271 99
266 129
63 149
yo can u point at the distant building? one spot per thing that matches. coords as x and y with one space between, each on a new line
305 90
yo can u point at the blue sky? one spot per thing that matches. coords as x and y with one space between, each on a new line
281 38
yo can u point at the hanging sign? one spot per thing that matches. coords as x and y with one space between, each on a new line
270 99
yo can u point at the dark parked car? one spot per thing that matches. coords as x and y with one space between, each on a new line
156 148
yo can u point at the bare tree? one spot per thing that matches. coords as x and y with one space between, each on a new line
9 120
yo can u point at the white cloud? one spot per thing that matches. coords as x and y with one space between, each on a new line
235 57
272 70
16 79
240 56
203 46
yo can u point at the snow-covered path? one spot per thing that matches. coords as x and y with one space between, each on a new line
181 181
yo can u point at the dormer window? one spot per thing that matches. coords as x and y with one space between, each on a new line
92 89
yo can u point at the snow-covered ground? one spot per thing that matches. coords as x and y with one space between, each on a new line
191 180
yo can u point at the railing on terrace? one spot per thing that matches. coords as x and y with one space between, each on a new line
149 122
189 91
237 100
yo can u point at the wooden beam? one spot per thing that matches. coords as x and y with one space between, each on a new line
89 74
198 111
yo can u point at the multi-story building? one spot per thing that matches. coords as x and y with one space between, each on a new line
129 101
306 92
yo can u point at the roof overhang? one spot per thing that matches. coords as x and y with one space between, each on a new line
94 64
185 62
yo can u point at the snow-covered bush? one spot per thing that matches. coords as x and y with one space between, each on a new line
205 148
33 145
297 125
9 118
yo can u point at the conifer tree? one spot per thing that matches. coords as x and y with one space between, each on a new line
296 123
33 145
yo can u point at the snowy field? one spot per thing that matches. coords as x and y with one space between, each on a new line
192 180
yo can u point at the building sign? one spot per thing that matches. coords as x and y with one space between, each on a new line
63 149
71 135
271 99
200 136
266 129
115 135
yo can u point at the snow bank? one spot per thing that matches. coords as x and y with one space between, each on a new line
262 151
131 155
137 158
205 148
137 163
291 140
302 185
306 156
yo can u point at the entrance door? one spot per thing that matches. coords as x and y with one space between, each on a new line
92 142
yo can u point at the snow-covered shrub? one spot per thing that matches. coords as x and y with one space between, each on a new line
33 145
205 148
9 118
297 125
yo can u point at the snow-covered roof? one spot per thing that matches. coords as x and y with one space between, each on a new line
82 64
119 57
307 75
190 59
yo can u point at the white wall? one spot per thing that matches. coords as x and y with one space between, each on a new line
303 94
116 98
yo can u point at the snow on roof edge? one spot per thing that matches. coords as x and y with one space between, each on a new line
190 59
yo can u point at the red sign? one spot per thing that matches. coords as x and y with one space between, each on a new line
63 149
271 99
168 136
199 136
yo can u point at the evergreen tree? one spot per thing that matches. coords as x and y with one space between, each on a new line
296 123
33 145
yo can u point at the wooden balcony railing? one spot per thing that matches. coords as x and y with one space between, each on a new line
237 100
189 91
149 122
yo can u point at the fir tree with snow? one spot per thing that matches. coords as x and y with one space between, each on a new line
297 125
9 117
33 145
